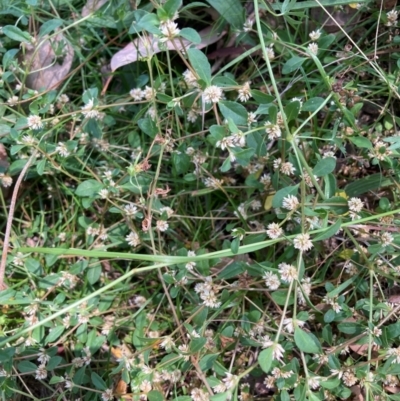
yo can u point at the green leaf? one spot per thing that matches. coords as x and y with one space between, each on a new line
306 342
261 97
292 110
207 362
350 328
148 126
293 64
334 293
368 183
330 187
282 193
243 156
336 204
329 232
231 10
172 6
54 362
54 334
88 188
265 359
313 104
93 274
233 110
361 142
40 167
191 35
56 380
148 22
15 33
324 166
26 367
50 26
197 344
98 382
235 245
280 297
200 64
226 165
155 395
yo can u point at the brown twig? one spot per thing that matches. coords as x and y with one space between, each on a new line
7 234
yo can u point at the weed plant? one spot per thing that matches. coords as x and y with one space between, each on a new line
209 222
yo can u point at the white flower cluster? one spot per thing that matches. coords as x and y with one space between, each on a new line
208 293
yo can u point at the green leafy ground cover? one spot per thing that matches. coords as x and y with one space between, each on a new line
213 217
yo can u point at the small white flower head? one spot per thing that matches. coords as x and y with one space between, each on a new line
393 352
376 331
190 265
270 53
6 180
212 94
89 110
145 386
315 35
313 48
274 231
303 242
271 281
149 93
107 395
273 130
62 149
192 116
169 29
41 372
392 16
133 239
12 101
136 94
130 209
251 118
290 202
190 79
290 324
35 122
287 168
230 381
244 92
167 210
255 205
247 26
198 394
162 225
313 382
380 151
103 193
43 358
386 239
355 205
167 343
63 99
288 272
277 352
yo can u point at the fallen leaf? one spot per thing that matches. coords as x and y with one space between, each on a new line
48 62
146 46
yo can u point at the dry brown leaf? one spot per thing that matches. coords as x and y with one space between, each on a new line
146 46
91 6
49 62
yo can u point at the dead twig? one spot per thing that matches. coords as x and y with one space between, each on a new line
3 286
